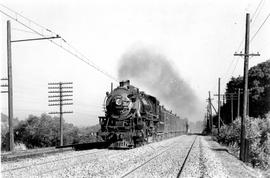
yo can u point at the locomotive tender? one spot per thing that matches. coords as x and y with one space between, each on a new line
133 118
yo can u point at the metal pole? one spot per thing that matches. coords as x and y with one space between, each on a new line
218 105
231 108
238 104
243 126
10 89
61 115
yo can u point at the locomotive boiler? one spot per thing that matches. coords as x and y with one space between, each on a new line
133 118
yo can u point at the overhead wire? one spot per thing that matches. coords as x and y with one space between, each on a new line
17 29
253 19
255 14
252 38
74 53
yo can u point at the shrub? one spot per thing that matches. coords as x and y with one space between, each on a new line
258 134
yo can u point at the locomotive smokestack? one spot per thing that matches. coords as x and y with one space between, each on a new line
111 86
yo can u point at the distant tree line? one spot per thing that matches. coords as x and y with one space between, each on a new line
259 94
43 131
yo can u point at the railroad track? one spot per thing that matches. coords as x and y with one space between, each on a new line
109 162
43 173
184 163
159 154
12 156
51 161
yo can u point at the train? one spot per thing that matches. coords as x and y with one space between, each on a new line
133 118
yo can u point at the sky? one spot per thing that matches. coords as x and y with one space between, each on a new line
197 37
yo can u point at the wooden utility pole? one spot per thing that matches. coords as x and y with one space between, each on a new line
60 90
61 114
238 103
231 95
210 112
243 123
10 89
248 102
243 140
218 105
10 81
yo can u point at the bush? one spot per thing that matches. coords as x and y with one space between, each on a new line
43 131
258 134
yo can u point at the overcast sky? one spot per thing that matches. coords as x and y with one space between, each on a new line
198 37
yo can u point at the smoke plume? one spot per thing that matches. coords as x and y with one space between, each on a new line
150 69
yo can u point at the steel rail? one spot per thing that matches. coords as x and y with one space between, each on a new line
141 165
183 165
52 161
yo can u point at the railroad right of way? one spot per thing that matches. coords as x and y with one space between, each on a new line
182 156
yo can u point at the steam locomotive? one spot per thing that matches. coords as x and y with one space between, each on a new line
133 118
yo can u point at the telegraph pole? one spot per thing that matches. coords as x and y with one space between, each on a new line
238 103
218 106
232 98
10 89
210 112
59 88
243 146
248 102
243 123
231 95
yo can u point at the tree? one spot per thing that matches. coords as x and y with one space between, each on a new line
259 97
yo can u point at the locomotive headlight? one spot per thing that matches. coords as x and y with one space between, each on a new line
118 101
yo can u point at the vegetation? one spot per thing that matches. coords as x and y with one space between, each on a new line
258 134
43 131
257 125
259 94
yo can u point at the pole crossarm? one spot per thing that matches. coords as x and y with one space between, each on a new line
64 83
59 87
35 39
64 112
59 104
69 91
60 100
246 55
57 96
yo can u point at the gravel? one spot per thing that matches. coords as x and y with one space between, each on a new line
168 163
159 159
234 167
202 162
117 165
